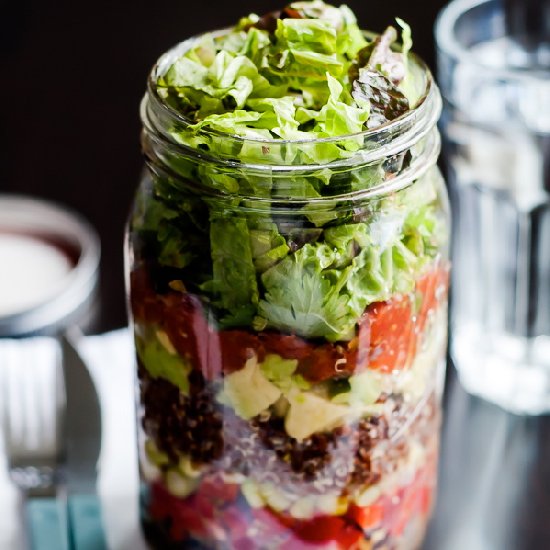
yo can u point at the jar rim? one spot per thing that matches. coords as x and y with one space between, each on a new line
428 101
415 131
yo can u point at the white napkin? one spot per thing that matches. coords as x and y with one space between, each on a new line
111 363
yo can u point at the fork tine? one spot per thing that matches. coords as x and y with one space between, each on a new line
13 419
30 402
30 416
18 400
43 398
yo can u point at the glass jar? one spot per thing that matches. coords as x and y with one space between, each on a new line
38 234
290 327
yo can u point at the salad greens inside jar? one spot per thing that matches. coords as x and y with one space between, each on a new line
287 269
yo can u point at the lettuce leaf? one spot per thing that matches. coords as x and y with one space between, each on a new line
301 295
305 49
268 246
386 101
323 288
234 275
301 56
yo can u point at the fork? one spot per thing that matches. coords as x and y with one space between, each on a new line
31 399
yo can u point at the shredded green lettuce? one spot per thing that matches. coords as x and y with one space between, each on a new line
287 75
323 288
234 275
305 73
273 273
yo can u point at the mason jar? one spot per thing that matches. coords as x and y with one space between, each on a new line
290 322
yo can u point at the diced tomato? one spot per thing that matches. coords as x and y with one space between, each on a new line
332 360
367 517
320 529
349 537
326 529
144 301
409 508
237 347
286 345
386 338
413 500
190 333
159 504
392 338
325 362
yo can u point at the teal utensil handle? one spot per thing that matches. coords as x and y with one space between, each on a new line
47 524
86 526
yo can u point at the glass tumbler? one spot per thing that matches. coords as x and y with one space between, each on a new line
495 79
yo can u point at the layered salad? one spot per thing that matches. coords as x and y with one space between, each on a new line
288 352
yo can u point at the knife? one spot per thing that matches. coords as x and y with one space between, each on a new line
83 445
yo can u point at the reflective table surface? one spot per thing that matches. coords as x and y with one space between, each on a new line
494 490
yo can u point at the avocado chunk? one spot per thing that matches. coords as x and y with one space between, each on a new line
248 391
310 413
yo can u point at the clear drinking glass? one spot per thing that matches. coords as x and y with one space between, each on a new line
495 78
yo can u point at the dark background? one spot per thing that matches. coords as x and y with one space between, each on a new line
71 78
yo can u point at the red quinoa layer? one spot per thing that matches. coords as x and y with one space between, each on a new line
347 457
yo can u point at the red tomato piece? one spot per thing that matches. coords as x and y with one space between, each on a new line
320 529
349 537
325 362
190 333
286 345
237 346
197 514
331 360
392 339
144 302
326 529
367 517
159 504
